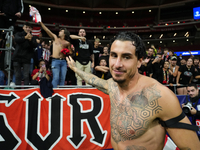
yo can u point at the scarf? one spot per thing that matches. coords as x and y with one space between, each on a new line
165 77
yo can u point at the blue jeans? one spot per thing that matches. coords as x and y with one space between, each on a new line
59 70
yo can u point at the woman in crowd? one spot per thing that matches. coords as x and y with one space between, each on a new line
184 76
40 73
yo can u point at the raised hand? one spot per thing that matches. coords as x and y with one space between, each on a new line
71 63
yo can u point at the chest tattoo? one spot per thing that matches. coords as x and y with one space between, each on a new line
131 116
134 147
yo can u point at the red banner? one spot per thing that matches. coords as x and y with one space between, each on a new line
70 119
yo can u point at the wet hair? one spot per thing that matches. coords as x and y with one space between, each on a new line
28 24
67 34
192 84
140 51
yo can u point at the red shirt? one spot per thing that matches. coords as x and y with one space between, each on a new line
36 70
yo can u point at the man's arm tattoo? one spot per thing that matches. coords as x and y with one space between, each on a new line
100 84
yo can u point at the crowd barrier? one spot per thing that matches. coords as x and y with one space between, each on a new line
8 48
73 118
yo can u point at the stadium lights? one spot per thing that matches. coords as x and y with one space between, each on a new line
116 13
187 33
100 13
174 41
66 10
149 10
83 12
49 8
147 42
187 40
161 36
29 5
160 41
133 12
178 22
104 37
150 36
175 34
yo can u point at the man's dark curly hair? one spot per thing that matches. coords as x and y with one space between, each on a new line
67 34
136 41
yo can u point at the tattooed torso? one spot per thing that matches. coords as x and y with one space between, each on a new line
131 116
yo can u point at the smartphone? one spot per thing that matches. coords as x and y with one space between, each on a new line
43 66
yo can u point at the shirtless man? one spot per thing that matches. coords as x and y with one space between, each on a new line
138 102
59 65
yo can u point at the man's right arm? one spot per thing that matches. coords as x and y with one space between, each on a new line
51 35
100 84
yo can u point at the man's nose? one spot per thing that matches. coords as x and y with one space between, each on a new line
118 63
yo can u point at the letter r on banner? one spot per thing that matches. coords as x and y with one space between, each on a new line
78 116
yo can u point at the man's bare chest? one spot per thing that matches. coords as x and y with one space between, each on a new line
131 117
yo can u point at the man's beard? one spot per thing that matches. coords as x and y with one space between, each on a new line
119 81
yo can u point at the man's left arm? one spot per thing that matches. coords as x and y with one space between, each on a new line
185 139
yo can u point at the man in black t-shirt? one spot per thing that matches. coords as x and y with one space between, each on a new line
83 54
97 51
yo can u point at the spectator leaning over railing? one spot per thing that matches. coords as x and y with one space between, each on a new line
184 77
191 106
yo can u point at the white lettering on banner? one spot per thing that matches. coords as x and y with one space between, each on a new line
90 116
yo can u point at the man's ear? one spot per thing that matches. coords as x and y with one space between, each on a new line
139 62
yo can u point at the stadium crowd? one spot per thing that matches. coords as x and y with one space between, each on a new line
162 65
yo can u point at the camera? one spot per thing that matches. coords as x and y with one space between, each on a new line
187 107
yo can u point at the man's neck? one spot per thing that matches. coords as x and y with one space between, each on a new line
130 84
62 38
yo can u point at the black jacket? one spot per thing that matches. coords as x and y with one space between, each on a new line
24 50
11 7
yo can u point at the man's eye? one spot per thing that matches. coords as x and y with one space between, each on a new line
127 57
113 55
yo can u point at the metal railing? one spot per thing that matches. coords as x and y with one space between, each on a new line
68 86
8 48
